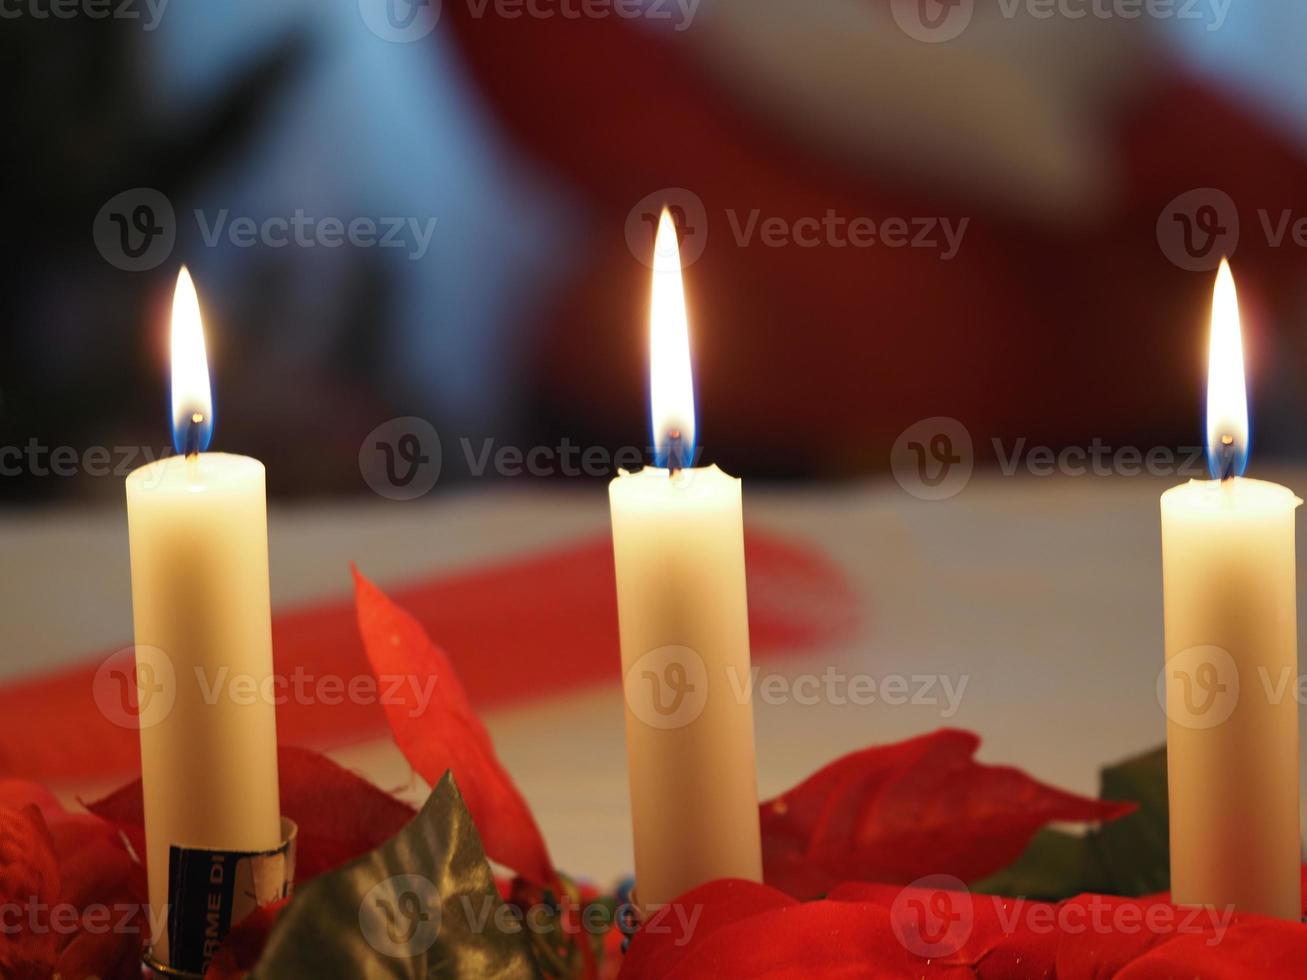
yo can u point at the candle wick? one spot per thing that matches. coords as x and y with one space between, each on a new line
192 441
675 449
1227 457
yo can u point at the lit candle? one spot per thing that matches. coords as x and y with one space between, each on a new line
678 543
1231 660
199 558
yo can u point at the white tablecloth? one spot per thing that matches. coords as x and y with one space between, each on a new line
1042 596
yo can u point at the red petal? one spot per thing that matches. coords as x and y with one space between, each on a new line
445 734
664 941
1252 946
29 887
898 812
340 814
243 946
741 929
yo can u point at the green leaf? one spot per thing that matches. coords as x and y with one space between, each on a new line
1054 865
422 905
1129 856
1135 851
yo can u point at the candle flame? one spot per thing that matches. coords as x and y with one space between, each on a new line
671 381
192 400
1227 396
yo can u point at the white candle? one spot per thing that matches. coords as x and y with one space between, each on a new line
678 543
200 602
1231 661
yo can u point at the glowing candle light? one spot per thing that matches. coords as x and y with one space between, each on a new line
678 543
1231 660
199 553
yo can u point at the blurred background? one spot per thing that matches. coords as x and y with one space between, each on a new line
421 233
1006 214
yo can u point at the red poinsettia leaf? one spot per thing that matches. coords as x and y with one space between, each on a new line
437 730
663 942
29 881
737 928
339 813
19 793
105 950
1098 950
101 890
244 944
943 925
899 812
1251 946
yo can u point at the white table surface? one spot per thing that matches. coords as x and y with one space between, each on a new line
1044 594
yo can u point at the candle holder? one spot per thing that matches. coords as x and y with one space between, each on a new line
203 882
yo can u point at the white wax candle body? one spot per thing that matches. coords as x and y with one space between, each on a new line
682 604
199 553
1231 687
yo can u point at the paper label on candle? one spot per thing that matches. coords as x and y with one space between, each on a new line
211 890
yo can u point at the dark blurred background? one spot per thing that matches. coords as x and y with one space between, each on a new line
1008 214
